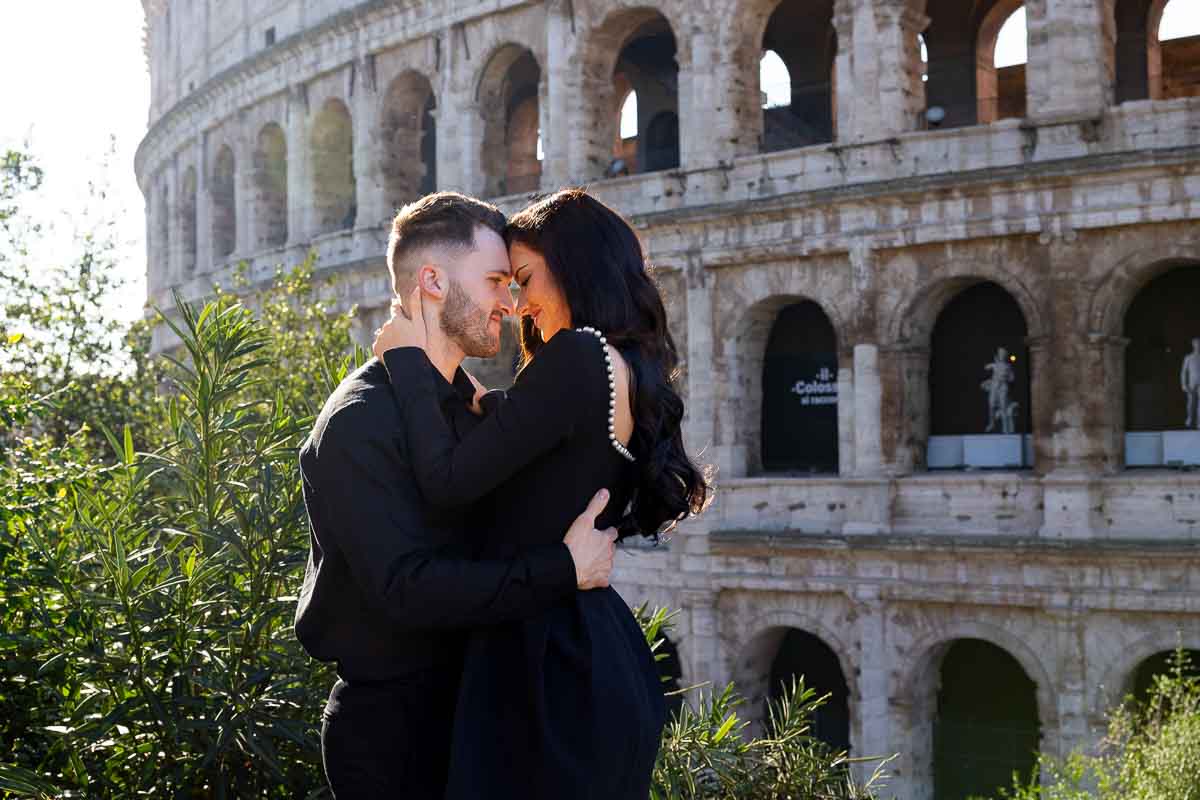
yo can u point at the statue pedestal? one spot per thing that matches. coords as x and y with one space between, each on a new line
983 451
1144 449
996 450
1181 447
944 452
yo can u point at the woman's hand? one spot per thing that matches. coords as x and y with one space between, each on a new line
406 328
480 391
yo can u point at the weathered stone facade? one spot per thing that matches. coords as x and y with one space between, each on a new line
281 126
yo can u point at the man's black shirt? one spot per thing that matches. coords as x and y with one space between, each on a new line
390 587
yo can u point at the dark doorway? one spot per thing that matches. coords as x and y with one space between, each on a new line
662 142
986 726
670 670
966 337
802 653
1160 324
799 411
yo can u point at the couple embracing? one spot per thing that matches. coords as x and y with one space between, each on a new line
462 540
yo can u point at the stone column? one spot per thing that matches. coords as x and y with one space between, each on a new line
700 430
1071 58
895 70
847 102
699 99
556 102
368 179
299 156
868 405
245 193
204 251
870 729
703 644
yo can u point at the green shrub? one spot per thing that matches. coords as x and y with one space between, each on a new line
1151 750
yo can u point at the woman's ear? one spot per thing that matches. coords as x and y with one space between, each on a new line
433 281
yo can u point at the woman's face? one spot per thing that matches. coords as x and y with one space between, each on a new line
541 298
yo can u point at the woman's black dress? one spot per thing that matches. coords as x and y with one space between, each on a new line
568 704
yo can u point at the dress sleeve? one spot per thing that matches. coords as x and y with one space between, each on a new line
535 415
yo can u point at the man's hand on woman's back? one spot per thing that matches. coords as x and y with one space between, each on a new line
591 549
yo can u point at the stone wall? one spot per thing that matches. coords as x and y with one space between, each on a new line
1076 566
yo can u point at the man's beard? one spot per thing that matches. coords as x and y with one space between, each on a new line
466 324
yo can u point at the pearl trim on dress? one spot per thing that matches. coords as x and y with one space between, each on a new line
612 394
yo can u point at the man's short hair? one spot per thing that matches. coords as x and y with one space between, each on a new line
441 219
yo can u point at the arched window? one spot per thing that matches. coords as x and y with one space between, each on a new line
979 383
1177 53
625 144
224 213
1000 79
270 184
334 204
1162 420
803 655
408 139
508 95
963 48
187 222
799 392
986 726
799 46
429 146
646 65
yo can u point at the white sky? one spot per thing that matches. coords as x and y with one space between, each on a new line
74 75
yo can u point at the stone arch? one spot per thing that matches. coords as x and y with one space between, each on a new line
999 94
915 688
408 139
224 211
745 336
270 181
507 94
603 85
755 651
1130 274
915 315
334 190
1118 676
187 222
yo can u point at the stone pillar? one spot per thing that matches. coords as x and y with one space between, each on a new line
870 730
699 100
1071 58
556 101
845 408
245 193
699 432
368 178
868 405
703 643
895 70
299 186
204 250
847 103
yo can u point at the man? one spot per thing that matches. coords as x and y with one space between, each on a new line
390 587
1189 377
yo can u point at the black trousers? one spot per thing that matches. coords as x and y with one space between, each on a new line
389 740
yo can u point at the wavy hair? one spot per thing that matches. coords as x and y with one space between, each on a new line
597 260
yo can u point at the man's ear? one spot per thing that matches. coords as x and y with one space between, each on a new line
433 281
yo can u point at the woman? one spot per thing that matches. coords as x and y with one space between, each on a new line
569 704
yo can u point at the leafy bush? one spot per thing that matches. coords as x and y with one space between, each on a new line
1151 750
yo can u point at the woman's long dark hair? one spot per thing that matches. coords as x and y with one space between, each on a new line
597 260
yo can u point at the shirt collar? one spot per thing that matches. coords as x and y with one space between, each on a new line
461 390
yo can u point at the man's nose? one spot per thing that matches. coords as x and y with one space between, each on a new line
506 302
522 305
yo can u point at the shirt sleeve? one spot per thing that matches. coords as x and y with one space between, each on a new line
417 584
535 415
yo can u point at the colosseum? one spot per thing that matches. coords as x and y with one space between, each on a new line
933 311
